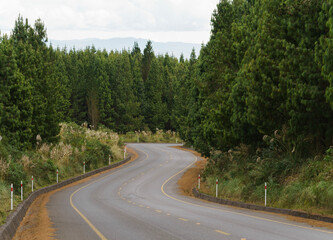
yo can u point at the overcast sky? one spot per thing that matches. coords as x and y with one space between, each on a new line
158 20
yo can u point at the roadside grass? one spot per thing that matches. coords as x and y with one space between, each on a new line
159 136
308 186
77 145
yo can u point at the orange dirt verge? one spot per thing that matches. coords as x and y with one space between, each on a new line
36 224
190 180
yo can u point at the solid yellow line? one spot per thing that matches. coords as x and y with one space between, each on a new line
224 233
81 214
84 217
183 219
159 211
241 214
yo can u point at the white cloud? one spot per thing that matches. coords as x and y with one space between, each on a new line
69 19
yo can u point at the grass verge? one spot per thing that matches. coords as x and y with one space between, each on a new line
189 180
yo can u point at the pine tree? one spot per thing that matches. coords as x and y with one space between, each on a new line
148 55
15 99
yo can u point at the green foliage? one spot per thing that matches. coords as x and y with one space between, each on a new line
15 95
159 136
15 174
77 144
95 155
44 171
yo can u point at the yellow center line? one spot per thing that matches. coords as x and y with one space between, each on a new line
224 233
99 234
159 211
84 217
183 219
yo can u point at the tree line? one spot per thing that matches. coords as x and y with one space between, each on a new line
41 86
267 69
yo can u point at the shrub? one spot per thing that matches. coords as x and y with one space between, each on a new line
95 154
44 171
15 174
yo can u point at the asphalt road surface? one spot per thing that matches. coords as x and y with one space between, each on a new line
140 201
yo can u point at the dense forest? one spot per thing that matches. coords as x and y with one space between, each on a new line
41 87
262 88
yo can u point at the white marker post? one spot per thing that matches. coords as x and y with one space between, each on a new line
199 181
265 194
84 167
57 176
217 187
11 197
21 191
109 159
32 183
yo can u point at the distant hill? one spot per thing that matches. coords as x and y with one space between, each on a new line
172 48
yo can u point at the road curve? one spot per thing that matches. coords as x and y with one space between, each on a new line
141 201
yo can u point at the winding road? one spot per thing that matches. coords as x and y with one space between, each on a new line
141 201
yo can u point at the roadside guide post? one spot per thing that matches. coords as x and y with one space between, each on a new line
265 194
109 159
217 187
21 190
11 196
84 167
32 183
57 176
199 181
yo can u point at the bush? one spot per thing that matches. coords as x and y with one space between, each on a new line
44 171
96 154
15 175
292 182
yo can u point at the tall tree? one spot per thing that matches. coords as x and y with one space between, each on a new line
148 55
15 99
